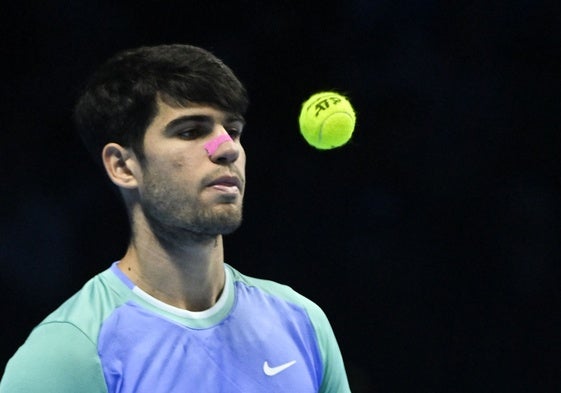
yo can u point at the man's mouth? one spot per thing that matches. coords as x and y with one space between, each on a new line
229 184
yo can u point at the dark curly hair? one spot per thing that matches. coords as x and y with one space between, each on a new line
119 101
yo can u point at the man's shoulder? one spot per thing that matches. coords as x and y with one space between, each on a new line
60 354
90 305
281 291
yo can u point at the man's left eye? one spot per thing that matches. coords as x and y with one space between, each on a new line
234 133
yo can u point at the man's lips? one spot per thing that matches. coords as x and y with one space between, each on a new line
226 183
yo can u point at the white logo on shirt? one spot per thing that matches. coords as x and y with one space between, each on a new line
270 371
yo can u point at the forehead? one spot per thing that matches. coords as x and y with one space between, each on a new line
167 113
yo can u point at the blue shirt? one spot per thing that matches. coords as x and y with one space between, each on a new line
111 336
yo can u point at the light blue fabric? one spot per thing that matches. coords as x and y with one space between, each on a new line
263 337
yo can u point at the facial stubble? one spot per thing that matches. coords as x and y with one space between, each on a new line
179 215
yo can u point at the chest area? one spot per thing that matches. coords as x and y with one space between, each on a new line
264 344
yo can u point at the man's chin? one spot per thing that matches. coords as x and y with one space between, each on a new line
227 227
221 224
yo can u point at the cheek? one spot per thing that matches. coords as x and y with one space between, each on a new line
178 163
168 170
173 160
242 158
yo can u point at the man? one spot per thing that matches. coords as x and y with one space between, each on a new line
170 315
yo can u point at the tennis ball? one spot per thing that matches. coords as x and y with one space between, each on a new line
327 120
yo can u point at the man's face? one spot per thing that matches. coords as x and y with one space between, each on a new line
184 189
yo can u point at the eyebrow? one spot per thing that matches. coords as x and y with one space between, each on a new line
231 118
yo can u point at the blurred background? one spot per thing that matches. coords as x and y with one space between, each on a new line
431 240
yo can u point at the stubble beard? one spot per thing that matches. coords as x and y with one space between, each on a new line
177 219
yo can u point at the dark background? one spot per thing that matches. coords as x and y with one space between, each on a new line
431 240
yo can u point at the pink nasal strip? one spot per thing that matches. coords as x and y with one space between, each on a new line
212 145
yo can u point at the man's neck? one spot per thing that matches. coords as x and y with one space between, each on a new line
191 277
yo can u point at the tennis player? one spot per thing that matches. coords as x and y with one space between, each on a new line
169 316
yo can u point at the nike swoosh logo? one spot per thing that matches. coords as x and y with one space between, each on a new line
270 371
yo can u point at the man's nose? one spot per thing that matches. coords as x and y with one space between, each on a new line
222 149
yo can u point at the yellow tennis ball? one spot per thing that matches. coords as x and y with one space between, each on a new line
327 120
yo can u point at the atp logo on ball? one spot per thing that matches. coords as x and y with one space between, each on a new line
327 120
324 104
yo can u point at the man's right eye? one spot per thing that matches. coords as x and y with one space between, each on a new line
191 133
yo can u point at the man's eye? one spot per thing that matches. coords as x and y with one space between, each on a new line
235 133
190 133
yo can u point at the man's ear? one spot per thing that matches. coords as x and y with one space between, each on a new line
121 165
